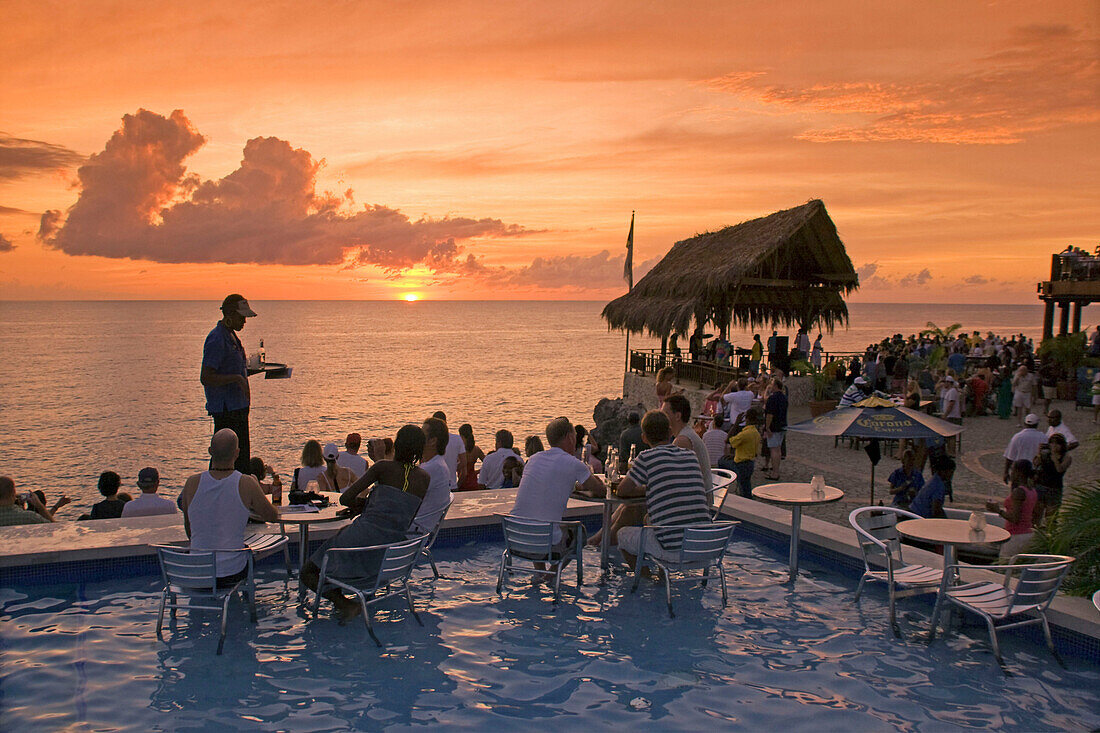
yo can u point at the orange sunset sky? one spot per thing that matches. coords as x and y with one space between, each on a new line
490 150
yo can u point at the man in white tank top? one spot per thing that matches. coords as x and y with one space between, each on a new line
217 503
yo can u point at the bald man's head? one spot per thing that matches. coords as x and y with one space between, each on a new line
224 447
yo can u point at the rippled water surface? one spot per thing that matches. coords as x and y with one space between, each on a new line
94 386
86 656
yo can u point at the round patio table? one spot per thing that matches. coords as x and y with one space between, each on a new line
304 520
950 533
795 496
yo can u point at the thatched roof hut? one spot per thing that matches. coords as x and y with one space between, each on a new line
789 268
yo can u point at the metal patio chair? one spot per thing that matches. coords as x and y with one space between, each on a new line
430 523
193 574
398 560
265 545
532 540
703 546
880 543
1037 582
731 485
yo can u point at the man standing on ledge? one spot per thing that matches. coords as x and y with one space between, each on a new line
224 375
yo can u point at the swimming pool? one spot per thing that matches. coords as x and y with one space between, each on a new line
86 655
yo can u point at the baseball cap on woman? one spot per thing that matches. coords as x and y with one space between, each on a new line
330 452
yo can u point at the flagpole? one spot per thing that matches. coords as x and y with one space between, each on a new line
628 275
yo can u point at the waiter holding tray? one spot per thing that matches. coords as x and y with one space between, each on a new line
224 375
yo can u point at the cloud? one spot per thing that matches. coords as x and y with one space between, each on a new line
19 157
6 244
977 280
915 278
138 201
1042 77
12 210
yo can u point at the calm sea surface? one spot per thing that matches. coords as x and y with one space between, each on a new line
90 386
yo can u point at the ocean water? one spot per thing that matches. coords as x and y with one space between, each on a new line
91 386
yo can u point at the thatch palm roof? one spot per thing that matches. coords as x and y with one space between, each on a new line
789 268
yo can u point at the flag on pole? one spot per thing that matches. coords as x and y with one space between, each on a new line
628 265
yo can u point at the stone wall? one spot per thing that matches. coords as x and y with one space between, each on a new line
643 389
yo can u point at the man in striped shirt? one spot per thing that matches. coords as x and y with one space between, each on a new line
670 479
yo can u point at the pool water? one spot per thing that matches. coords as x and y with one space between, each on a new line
86 656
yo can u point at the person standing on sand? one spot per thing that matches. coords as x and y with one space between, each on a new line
224 375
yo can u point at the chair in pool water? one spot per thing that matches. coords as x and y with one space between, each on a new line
880 543
729 479
264 545
398 561
532 540
431 524
1005 605
702 547
192 574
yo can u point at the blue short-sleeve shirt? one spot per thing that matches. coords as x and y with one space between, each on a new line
933 491
223 353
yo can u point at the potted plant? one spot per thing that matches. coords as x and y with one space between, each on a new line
1067 353
822 380
1075 531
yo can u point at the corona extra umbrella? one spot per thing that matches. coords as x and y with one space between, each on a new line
877 419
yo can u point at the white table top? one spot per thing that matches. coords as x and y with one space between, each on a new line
950 532
796 493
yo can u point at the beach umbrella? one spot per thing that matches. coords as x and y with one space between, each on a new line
876 419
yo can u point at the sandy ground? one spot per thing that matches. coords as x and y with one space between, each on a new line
977 478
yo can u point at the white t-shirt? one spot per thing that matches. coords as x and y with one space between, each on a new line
548 479
354 462
1024 445
492 467
737 403
455 448
951 395
1064 430
148 505
715 441
440 485
701 455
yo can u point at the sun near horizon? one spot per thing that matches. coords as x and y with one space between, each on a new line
411 297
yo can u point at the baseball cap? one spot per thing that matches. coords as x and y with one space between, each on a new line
1032 419
148 476
860 380
236 303
331 451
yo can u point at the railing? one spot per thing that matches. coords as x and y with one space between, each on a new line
708 373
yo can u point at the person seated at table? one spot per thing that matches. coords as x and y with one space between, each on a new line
928 502
550 476
387 498
1018 509
443 480
313 465
511 463
148 504
906 480
743 447
858 391
335 477
113 499
11 514
671 481
261 470
217 504
491 475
